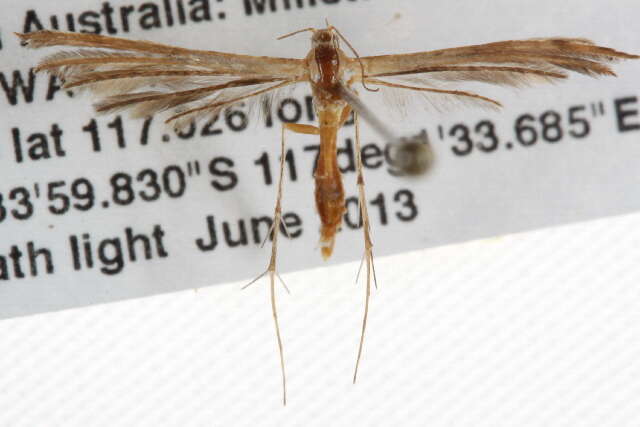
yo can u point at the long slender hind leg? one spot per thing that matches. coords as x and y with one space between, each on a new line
367 258
271 270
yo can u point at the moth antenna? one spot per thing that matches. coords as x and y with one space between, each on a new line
304 30
355 52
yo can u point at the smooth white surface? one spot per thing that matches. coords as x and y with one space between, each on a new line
539 329
536 329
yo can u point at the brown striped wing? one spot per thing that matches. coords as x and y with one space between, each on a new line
509 63
147 78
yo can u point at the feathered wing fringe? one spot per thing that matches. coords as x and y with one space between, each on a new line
146 78
510 63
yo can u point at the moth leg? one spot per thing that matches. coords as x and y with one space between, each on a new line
367 259
346 113
303 129
271 270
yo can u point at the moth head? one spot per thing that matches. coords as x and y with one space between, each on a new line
325 37
321 38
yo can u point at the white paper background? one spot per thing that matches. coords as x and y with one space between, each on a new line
463 198
534 329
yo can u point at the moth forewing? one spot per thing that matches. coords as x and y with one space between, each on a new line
225 63
148 78
440 75
547 57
